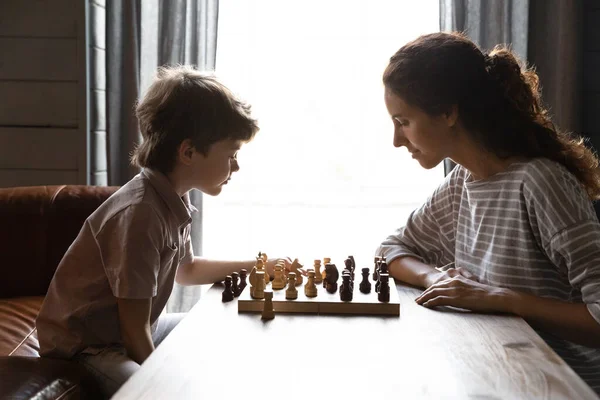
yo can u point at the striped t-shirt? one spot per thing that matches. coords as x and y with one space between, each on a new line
530 228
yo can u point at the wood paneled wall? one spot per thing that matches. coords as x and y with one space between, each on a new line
43 92
591 72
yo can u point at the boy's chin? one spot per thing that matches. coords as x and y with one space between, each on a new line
213 191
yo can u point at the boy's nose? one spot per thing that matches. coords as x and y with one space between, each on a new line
235 166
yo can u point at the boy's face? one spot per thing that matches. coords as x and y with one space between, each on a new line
213 170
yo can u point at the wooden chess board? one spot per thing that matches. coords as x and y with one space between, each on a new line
325 302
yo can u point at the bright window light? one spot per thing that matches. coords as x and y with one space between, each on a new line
321 178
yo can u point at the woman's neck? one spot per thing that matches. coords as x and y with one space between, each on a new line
481 163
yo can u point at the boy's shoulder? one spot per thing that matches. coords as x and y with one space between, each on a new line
137 193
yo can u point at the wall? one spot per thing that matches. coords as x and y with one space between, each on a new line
43 93
591 72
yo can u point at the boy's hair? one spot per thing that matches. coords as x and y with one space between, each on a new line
498 100
183 103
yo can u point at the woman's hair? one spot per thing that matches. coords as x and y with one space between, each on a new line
498 100
183 103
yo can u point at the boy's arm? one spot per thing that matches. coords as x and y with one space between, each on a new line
203 272
134 319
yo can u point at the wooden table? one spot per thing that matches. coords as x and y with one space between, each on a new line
216 353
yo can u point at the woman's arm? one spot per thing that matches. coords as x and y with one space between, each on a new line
570 321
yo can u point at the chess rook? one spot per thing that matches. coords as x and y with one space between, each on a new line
258 290
384 288
268 312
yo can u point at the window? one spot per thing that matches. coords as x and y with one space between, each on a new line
321 178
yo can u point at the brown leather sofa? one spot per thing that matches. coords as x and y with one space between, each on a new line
37 225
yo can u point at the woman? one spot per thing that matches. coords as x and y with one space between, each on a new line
512 228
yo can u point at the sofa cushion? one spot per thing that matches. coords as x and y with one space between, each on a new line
42 223
44 379
17 326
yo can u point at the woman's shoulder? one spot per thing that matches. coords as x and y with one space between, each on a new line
543 173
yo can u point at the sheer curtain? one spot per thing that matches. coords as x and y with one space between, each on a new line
321 178
129 40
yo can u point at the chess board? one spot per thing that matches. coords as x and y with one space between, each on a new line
325 302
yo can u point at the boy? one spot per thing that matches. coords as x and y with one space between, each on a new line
137 243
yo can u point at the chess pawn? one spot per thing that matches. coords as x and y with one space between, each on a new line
234 284
310 289
279 279
345 288
317 267
227 293
365 285
268 312
384 288
291 293
258 291
242 284
294 268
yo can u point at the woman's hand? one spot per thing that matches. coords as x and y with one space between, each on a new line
439 276
462 292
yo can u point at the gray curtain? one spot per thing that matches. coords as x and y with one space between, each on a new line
545 33
129 39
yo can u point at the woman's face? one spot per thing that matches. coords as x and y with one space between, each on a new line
428 139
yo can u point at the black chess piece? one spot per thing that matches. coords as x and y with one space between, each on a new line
353 265
345 288
331 277
242 284
348 267
383 269
365 285
376 261
235 288
384 289
227 292
351 283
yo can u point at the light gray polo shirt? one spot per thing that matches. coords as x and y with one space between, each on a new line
130 247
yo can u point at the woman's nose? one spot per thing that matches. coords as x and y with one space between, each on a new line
399 139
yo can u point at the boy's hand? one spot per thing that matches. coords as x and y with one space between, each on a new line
272 261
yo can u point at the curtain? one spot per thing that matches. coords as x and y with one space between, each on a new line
545 33
129 39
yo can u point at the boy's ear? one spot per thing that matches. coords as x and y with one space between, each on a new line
185 152
451 116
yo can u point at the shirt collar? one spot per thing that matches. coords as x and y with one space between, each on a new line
181 207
